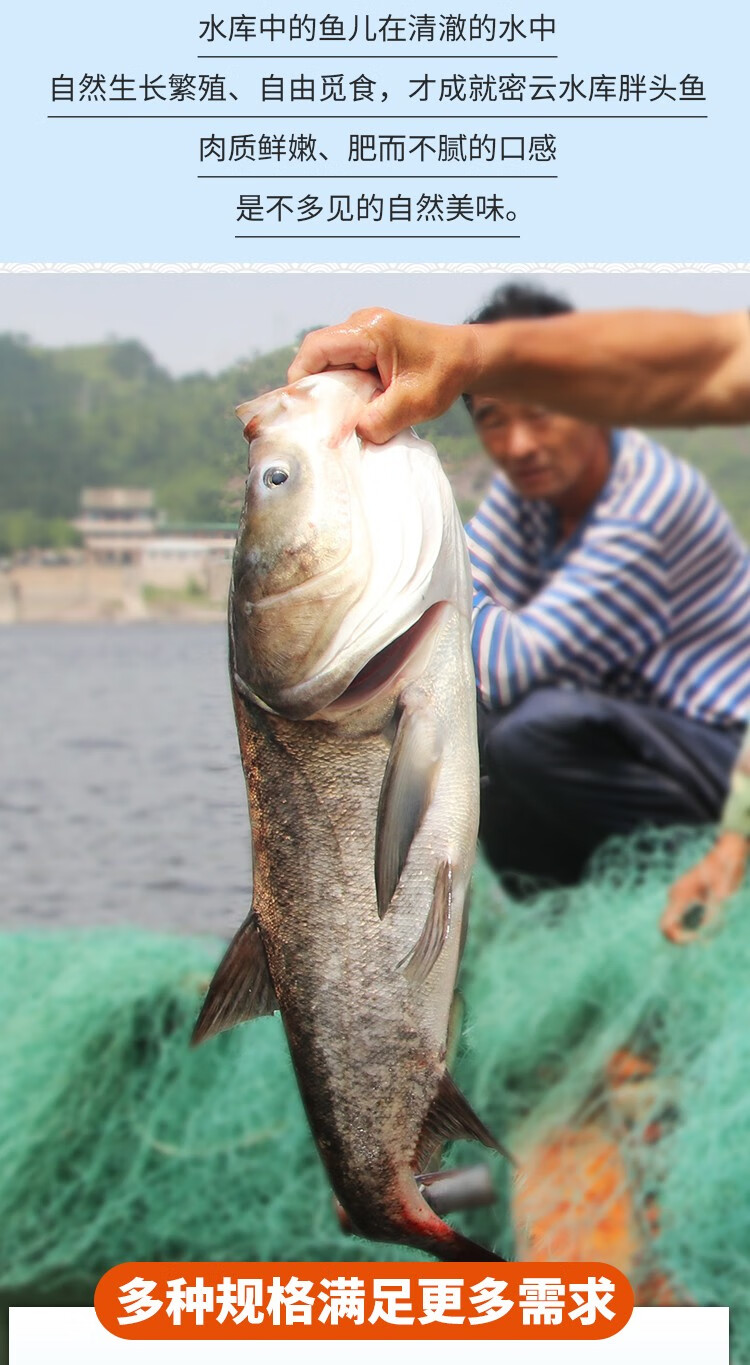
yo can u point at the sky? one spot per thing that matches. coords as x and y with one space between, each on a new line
210 321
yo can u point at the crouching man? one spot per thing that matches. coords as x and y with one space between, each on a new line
611 632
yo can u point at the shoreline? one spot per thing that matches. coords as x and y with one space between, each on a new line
191 618
84 592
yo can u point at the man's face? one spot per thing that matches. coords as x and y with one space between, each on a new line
542 453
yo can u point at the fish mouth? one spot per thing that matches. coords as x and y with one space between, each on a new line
402 655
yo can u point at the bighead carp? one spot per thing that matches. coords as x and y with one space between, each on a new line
354 696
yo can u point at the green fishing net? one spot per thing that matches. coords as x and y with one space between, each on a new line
119 1142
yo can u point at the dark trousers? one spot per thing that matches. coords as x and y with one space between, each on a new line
564 769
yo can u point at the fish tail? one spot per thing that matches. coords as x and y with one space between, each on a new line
453 1246
430 1233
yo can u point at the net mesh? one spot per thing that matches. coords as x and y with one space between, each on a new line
613 1064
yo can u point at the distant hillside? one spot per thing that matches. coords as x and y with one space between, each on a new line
108 414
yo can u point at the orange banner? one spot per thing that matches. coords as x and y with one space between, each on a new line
371 1300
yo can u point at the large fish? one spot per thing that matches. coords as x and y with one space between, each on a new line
354 697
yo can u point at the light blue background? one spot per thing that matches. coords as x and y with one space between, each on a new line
641 191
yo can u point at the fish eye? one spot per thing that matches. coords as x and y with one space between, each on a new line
274 476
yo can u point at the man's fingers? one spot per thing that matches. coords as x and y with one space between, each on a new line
667 926
680 922
672 927
382 419
707 885
333 346
389 413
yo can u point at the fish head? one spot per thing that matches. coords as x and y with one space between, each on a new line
297 518
340 548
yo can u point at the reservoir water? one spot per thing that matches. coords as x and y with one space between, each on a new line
122 800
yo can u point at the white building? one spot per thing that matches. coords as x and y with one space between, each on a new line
123 526
115 523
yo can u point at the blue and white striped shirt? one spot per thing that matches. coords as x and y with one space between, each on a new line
650 599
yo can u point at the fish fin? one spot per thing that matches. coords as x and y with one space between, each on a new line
450 1117
431 1156
420 961
241 988
406 792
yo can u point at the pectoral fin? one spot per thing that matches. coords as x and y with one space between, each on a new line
418 963
242 987
451 1117
408 784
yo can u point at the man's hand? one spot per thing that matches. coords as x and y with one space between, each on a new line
707 885
422 367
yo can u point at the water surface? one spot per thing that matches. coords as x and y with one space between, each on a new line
122 799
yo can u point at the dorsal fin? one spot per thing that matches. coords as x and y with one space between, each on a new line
241 988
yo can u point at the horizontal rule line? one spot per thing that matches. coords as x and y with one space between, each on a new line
378 56
459 175
376 237
381 118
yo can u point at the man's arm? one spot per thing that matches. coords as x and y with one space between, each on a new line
627 368
721 872
635 368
